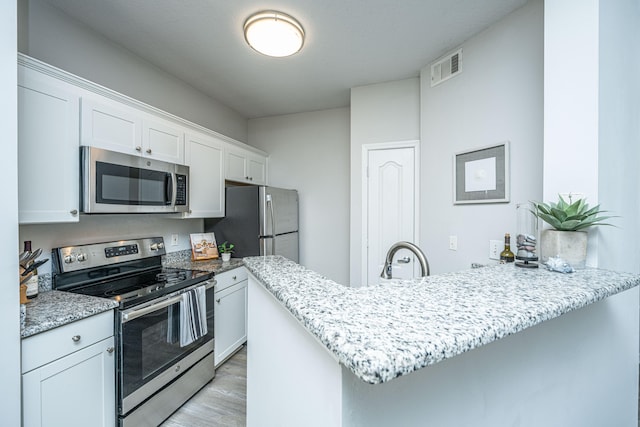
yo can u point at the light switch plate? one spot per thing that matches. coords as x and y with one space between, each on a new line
495 249
174 240
453 243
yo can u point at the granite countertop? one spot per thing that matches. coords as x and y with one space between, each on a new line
55 308
385 331
215 265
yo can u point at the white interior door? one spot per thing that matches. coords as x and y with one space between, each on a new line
390 209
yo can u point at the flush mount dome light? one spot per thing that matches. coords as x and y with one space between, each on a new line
274 33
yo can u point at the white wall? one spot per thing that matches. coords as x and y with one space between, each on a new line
497 97
310 152
9 303
51 36
385 112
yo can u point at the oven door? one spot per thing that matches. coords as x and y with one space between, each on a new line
149 351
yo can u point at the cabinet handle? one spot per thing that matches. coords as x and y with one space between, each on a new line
148 150
75 338
110 350
218 300
74 212
250 178
138 148
234 277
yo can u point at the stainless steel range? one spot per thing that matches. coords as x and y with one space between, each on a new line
163 328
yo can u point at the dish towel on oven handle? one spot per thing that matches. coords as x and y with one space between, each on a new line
193 316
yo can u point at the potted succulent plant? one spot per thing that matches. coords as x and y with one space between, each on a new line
568 238
226 249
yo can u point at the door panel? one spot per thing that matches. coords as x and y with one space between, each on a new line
285 210
390 210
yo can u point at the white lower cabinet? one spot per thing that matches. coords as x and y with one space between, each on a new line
74 388
230 322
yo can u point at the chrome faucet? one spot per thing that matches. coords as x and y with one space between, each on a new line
424 264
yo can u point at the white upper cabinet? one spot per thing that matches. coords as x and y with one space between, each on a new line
163 140
111 126
48 149
245 166
205 157
114 126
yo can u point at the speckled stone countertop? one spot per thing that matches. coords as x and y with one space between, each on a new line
385 331
55 308
215 265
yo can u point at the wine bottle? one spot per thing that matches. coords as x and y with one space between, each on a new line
32 283
506 255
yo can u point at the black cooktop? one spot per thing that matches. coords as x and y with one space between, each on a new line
137 288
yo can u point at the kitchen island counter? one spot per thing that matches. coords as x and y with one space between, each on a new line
56 308
379 333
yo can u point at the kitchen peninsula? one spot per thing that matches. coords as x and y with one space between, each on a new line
490 346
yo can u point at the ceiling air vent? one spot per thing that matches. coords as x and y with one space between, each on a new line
446 68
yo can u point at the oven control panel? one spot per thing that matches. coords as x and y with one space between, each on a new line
74 258
111 251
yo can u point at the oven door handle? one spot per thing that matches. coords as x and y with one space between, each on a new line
126 317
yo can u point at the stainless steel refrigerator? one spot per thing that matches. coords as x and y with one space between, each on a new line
259 221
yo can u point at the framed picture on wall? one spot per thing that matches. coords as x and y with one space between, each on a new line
481 175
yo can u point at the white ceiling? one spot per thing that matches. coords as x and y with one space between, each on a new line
349 43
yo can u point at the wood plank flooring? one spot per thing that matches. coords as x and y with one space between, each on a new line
222 402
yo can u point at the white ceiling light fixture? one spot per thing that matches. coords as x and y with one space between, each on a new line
274 33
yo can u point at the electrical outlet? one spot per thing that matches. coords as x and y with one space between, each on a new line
174 240
453 243
494 249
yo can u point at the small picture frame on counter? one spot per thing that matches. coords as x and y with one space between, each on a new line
203 246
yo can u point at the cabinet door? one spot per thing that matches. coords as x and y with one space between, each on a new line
48 150
230 320
204 156
245 166
163 140
110 125
257 170
236 166
76 390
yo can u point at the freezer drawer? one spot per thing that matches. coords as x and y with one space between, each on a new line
285 245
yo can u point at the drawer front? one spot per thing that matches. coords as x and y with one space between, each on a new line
230 278
48 346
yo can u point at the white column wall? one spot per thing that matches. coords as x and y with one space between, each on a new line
9 303
571 103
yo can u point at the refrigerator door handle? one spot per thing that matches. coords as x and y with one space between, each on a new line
273 225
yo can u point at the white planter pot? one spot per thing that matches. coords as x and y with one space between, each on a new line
226 257
568 245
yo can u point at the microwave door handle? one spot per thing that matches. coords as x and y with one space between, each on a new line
171 187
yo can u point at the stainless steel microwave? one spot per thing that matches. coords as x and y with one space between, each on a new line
114 182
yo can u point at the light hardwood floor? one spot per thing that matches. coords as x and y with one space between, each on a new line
222 402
